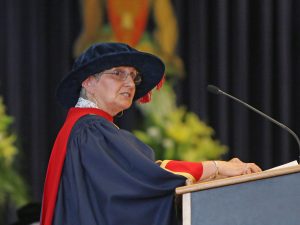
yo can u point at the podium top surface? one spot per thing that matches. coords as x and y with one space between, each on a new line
236 180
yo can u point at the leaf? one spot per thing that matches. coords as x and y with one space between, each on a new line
11 183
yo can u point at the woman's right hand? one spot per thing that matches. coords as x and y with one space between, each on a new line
233 167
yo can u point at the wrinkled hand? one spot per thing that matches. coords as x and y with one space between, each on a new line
235 167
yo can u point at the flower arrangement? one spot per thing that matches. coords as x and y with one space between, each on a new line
12 186
175 133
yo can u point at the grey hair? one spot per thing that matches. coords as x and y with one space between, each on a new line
83 90
83 93
97 75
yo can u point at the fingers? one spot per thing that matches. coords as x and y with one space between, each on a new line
254 168
251 168
248 168
236 167
235 160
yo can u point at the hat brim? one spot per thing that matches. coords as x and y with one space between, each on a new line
151 69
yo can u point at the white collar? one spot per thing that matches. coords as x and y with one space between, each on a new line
84 103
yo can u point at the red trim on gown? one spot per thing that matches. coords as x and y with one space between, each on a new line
193 168
57 159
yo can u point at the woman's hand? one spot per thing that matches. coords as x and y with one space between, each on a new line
221 169
235 167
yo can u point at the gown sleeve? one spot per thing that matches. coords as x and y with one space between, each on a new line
110 178
191 170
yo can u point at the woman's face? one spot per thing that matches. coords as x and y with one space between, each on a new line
113 90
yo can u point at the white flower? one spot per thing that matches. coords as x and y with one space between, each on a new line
154 132
167 143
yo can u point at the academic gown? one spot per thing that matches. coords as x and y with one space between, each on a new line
109 177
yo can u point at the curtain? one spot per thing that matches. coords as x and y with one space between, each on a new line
36 51
249 49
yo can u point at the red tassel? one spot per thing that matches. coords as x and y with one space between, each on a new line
161 82
146 98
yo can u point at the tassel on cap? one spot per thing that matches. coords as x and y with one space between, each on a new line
161 82
147 98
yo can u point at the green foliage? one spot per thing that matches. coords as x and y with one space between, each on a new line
175 133
12 185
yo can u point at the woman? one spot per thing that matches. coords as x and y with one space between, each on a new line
100 174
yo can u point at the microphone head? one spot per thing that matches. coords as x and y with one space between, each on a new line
213 89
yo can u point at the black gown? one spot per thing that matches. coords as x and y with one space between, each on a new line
110 178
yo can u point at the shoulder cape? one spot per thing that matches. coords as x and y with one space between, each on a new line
57 159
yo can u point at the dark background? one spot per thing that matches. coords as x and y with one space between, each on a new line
249 48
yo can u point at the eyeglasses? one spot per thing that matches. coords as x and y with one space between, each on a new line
122 75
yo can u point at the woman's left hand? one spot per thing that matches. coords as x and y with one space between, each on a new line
235 167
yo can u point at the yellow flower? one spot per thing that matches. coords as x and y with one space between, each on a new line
7 149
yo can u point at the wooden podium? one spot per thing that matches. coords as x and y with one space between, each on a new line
269 197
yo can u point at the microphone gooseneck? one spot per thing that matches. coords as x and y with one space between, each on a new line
215 90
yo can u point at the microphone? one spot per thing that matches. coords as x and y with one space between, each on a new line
215 90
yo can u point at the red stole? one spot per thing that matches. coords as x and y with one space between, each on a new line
57 159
